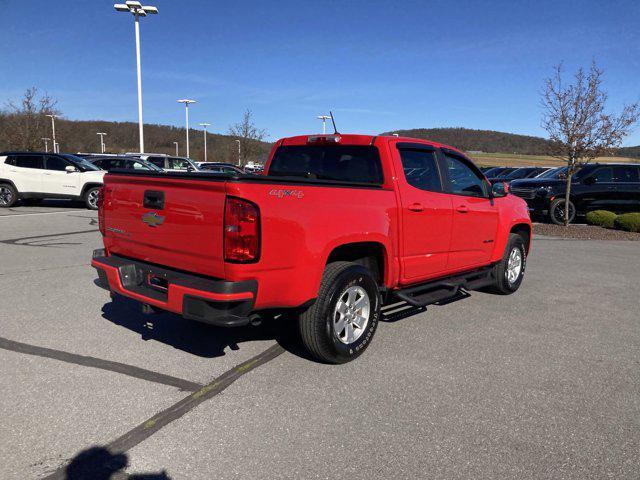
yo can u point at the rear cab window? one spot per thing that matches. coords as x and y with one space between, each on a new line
420 168
344 163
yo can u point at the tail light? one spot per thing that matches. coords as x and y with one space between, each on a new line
241 231
100 204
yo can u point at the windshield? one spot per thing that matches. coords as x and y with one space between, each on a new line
519 173
553 173
80 162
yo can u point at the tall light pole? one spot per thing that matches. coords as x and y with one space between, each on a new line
137 10
102 135
324 119
186 102
239 155
46 144
176 144
53 132
205 125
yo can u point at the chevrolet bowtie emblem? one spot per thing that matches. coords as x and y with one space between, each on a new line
152 219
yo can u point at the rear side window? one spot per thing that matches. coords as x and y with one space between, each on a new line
347 163
604 174
420 169
625 174
157 161
462 179
29 161
178 164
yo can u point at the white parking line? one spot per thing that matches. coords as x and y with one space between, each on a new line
40 213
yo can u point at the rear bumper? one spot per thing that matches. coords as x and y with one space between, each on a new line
218 302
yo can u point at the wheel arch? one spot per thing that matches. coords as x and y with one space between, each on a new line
89 185
524 230
370 254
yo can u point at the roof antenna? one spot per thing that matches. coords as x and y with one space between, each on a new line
335 130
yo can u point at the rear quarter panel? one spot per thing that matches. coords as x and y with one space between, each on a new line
301 225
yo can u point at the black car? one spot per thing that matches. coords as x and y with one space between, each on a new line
516 174
221 167
611 186
128 163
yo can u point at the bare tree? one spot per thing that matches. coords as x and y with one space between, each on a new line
578 126
25 123
250 137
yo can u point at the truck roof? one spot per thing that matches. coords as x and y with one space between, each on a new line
357 139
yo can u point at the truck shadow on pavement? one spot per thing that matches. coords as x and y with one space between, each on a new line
98 463
199 338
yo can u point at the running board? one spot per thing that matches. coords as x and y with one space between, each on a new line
445 288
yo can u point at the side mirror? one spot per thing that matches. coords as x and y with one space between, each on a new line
499 189
590 180
70 169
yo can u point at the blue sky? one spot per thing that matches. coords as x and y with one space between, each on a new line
378 65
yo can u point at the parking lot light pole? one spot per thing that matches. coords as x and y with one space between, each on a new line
46 144
239 153
138 11
102 147
186 102
205 125
53 132
324 119
176 144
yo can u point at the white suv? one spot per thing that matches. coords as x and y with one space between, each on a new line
34 176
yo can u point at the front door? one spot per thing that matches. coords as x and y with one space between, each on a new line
426 214
475 217
56 180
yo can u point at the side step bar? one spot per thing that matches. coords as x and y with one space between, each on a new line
445 288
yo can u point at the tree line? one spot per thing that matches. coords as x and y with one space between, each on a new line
23 126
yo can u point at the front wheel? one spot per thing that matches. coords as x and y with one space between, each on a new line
556 211
509 272
91 198
340 325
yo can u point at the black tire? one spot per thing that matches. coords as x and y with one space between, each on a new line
318 323
8 195
91 197
556 211
503 285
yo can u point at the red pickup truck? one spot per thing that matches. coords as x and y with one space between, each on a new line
337 225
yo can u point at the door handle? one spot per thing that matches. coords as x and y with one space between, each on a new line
416 207
462 209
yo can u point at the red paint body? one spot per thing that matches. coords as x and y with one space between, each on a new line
298 231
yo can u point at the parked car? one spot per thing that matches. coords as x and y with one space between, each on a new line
253 167
338 223
113 162
556 172
167 162
523 172
32 176
613 186
220 167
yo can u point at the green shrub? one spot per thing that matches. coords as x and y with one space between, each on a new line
603 218
628 221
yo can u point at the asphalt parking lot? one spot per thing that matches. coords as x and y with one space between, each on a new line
541 384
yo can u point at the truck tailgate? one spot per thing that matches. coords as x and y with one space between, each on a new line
166 221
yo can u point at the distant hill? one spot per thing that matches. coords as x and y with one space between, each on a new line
633 152
480 140
81 136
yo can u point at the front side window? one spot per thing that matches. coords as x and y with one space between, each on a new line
462 179
604 174
346 163
420 169
29 161
178 164
56 163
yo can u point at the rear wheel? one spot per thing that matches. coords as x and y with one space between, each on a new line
91 198
556 211
8 195
508 274
339 326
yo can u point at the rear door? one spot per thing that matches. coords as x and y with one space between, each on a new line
475 216
627 187
426 214
26 173
56 180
